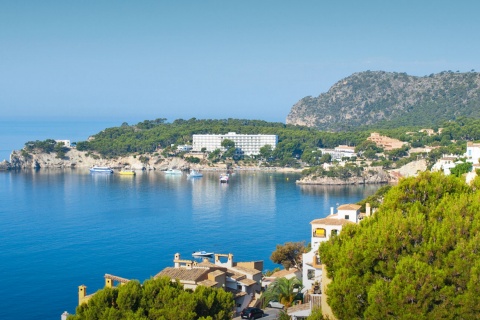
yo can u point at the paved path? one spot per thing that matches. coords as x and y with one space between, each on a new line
270 314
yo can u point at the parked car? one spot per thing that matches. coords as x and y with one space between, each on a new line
251 313
275 304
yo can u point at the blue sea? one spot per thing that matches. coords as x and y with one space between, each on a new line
63 228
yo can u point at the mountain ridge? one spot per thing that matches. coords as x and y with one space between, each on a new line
396 99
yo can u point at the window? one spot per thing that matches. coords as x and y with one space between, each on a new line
347 217
319 232
334 232
311 274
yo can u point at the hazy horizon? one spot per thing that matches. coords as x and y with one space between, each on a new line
213 59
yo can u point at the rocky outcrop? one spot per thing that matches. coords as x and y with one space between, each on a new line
371 176
5 165
81 159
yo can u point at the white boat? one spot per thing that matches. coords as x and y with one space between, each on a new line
96 169
224 178
173 171
194 174
202 254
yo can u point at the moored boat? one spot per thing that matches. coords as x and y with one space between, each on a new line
194 174
224 178
173 171
96 169
126 172
202 254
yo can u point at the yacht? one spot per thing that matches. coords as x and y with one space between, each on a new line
96 169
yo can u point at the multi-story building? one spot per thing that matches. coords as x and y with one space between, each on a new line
247 144
243 279
340 152
386 143
322 230
473 152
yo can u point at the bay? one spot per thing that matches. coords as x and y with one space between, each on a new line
63 228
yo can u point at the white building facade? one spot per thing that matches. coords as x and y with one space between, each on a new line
248 144
322 230
473 152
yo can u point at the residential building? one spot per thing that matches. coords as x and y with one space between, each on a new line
241 278
184 148
65 142
342 151
445 164
386 143
322 230
473 152
247 144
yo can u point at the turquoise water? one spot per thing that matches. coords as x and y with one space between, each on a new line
64 228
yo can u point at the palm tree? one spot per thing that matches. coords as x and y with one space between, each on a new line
284 291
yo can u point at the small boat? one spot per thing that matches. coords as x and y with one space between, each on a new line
173 171
194 174
202 254
126 172
96 169
224 178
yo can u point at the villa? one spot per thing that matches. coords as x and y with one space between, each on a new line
241 278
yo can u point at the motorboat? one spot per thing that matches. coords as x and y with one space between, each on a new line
202 254
173 171
194 174
126 172
96 169
224 178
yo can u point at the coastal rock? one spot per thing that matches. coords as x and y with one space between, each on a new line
370 176
5 165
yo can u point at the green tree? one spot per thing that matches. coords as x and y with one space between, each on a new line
157 299
283 290
266 151
461 168
227 144
417 257
289 254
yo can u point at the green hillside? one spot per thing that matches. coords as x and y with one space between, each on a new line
389 100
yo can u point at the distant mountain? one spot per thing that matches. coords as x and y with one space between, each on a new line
390 99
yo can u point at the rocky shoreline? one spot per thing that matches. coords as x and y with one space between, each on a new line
372 176
82 159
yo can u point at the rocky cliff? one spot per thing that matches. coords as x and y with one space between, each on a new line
390 99
80 159
372 176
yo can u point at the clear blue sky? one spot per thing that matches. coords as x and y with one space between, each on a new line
215 59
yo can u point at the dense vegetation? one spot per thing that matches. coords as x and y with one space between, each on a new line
417 257
298 146
391 100
150 136
157 299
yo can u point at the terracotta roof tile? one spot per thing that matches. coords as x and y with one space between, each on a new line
349 207
331 222
194 274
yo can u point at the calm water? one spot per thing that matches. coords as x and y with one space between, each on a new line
60 229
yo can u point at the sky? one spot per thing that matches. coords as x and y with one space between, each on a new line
137 60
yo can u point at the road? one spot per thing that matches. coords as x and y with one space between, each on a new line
270 314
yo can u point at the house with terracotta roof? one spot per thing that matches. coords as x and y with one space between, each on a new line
241 278
385 142
322 230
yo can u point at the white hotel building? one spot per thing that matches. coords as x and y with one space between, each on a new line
249 144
